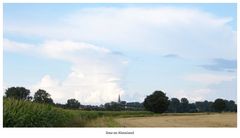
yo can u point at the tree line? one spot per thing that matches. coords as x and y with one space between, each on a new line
40 96
157 102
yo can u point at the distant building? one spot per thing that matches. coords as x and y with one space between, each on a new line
119 100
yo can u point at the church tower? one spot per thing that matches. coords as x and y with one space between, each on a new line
119 100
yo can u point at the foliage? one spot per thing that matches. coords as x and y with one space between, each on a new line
219 105
157 102
230 106
204 106
19 113
184 105
41 96
73 104
18 93
113 106
174 105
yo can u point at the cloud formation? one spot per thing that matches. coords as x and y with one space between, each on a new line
95 40
95 75
179 31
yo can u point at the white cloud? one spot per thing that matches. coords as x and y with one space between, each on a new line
224 89
194 95
95 75
12 46
209 78
185 32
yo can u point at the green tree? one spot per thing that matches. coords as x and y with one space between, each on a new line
73 103
230 106
19 93
113 106
184 105
157 102
174 105
219 105
41 96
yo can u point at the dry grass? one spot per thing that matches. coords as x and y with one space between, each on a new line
102 122
187 120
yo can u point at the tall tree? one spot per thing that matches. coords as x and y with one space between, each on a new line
41 96
230 106
219 105
19 93
73 103
174 105
204 106
184 105
157 102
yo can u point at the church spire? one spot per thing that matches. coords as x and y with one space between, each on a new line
119 100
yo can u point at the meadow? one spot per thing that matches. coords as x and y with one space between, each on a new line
182 120
19 113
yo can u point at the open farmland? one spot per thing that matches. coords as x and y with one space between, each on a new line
18 113
184 120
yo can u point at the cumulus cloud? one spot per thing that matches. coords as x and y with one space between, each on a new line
95 75
96 72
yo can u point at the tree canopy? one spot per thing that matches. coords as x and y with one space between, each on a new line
19 93
174 105
157 102
41 96
73 103
219 105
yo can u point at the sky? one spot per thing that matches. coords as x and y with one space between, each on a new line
94 52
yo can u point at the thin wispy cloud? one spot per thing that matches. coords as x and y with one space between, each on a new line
157 30
222 65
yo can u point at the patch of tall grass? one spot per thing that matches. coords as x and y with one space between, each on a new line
19 113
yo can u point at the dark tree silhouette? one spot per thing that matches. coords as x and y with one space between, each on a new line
113 106
219 105
41 96
73 103
184 105
205 106
230 106
174 105
19 93
157 102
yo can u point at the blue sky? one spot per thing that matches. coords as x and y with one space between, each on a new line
93 52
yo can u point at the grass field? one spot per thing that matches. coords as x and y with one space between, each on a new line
18 113
29 114
186 120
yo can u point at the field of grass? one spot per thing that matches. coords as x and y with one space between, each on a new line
17 113
29 114
182 120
